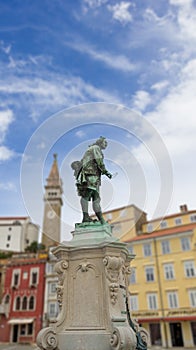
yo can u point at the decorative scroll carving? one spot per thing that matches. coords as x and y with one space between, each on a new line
60 268
123 338
47 340
112 269
128 270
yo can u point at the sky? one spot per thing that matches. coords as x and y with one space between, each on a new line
71 71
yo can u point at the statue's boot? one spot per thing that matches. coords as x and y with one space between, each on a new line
84 204
100 217
86 218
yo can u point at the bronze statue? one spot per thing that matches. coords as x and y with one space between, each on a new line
88 173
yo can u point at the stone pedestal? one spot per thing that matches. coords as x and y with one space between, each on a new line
92 293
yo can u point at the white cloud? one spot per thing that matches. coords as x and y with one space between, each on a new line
160 85
121 12
8 186
118 62
141 100
42 91
41 145
186 18
80 134
174 116
151 16
5 153
6 118
5 48
95 3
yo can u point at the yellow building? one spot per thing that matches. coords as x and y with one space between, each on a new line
163 282
126 221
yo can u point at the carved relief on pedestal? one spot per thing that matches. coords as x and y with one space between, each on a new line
113 267
61 268
47 340
84 266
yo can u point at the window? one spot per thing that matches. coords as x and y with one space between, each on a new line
192 297
53 309
155 334
24 303
165 245
163 224
16 278
8 237
17 303
109 216
147 249
172 300
152 301
23 329
30 328
169 271
185 243
132 278
31 302
149 273
52 288
189 268
150 227
193 218
178 221
50 268
130 249
34 276
123 213
116 229
26 329
7 245
134 302
7 299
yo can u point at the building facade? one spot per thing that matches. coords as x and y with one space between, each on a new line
16 233
22 303
163 279
51 230
51 308
126 221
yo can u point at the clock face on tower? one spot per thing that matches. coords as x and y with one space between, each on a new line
50 214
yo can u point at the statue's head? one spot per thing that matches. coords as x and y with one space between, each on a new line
102 142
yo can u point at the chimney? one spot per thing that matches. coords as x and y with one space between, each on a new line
183 208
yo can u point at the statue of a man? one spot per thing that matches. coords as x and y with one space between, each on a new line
88 173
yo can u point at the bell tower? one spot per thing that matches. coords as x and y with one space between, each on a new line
52 207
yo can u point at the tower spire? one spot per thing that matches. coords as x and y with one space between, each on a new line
52 206
53 179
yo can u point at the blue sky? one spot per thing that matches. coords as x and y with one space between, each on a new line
59 55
